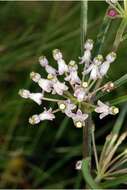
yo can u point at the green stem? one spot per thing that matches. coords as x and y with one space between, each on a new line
119 34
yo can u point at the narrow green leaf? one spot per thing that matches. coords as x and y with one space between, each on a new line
114 182
120 120
118 100
102 34
86 174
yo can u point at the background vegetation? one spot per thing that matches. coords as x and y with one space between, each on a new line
44 156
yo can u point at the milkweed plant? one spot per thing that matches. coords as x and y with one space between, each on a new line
75 87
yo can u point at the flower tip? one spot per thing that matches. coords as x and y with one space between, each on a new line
34 120
35 76
115 110
89 44
57 55
43 61
24 93
78 124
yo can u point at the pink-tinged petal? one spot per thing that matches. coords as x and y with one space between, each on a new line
36 97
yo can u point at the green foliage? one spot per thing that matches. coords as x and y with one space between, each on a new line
50 150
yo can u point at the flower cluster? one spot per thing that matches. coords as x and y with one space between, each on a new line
76 90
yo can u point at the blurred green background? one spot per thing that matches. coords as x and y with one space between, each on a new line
44 156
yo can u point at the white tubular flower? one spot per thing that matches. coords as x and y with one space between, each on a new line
78 165
59 87
45 84
73 78
62 67
50 70
43 61
35 119
72 66
66 107
36 97
47 115
94 68
88 46
80 93
105 110
79 118
105 66
35 76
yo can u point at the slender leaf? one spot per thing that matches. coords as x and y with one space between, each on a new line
86 174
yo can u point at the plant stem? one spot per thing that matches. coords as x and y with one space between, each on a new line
119 34
87 138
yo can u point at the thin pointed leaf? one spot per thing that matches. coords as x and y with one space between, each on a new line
86 174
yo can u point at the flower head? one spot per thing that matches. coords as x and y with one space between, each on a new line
76 90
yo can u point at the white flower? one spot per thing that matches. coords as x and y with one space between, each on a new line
80 93
72 66
59 87
88 46
45 84
62 67
73 78
66 107
93 69
47 115
36 97
105 66
105 110
78 165
79 118
50 70
43 61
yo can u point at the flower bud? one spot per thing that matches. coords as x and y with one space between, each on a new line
112 13
43 61
114 110
98 59
57 55
35 119
89 44
35 76
24 93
